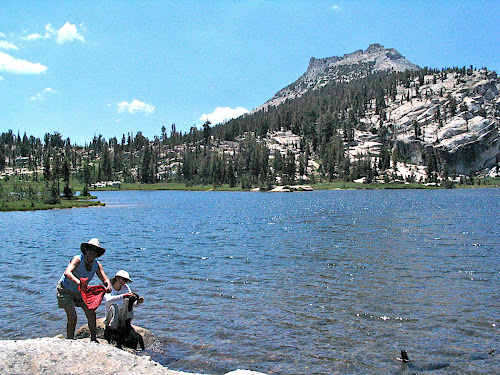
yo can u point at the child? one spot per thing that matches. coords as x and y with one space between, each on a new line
119 303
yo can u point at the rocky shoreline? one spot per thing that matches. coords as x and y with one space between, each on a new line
58 356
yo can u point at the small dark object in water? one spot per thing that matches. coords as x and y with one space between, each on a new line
404 356
493 351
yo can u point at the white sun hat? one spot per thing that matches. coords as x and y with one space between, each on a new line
123 274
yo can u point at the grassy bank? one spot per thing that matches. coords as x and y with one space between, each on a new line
22 195
24 205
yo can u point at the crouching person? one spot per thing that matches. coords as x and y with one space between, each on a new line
120 311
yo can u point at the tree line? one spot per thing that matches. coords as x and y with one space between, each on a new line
234 152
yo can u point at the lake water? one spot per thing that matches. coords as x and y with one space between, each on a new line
325 282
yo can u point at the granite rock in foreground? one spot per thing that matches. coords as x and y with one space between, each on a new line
54 356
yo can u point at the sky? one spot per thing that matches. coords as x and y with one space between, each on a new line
110 68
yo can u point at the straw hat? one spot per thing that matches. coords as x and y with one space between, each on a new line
93 244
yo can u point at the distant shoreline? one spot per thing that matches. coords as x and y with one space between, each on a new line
494 183
85 202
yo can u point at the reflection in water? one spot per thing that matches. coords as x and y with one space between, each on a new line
303 283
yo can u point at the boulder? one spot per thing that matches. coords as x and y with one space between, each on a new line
57 356
53 356
84 332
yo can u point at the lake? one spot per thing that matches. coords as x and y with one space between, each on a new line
324 282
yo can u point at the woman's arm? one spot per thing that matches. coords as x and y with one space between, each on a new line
102 275
75 262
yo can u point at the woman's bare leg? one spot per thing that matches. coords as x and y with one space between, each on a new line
72 318
91 318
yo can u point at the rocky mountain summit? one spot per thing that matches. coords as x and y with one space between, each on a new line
351 66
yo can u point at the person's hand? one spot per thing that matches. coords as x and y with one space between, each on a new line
128 295
140 300
108 287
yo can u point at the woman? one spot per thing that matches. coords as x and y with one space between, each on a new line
68 295
117 302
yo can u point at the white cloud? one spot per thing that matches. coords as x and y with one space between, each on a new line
7 45
1 78
68 33
37 36
222 114
12 65
49 31
135 106
2 35
42 95
335 8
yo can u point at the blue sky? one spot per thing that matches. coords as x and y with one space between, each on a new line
84 68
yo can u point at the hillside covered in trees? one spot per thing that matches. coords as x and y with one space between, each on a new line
420 125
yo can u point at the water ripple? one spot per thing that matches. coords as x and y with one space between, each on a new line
317 283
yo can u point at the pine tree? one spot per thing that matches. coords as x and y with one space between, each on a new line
106 168
147 176
66 174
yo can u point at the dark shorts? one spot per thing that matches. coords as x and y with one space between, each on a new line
68 298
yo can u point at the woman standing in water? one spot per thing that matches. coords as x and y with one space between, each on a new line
68 295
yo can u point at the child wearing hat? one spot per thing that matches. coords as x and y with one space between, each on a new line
117 302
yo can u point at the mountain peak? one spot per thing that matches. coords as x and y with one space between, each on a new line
374 48
355 65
